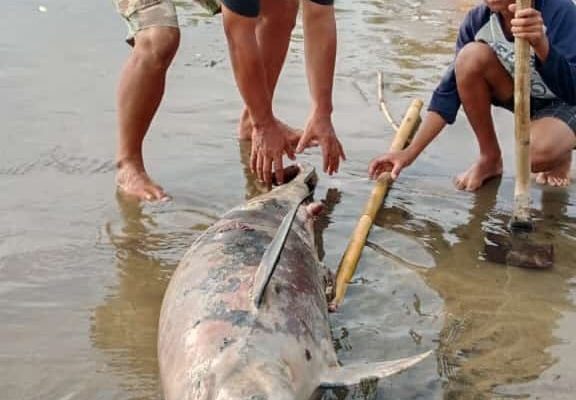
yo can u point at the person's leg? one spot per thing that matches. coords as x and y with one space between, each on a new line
139 94
276 22
154 33
551 145
481 79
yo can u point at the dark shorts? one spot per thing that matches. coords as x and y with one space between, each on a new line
540 108
251 8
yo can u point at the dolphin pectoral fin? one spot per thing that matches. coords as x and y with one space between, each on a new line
353 374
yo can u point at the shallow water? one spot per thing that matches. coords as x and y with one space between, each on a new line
82 272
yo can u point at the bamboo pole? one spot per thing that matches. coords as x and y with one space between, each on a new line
521 216
519 250
353 251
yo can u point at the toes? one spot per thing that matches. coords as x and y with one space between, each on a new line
544 178
558 182
551 181
156 194
541 178
467 184
459 183
160 194
146 192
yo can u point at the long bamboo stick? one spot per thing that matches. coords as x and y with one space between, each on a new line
521 216
353 251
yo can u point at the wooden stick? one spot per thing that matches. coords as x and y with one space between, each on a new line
521 216
383 106
352 254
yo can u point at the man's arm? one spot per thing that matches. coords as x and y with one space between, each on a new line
556 48
320 52
395 162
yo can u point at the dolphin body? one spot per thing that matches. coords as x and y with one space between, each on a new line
217 343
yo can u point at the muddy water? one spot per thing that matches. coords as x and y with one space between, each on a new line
82 272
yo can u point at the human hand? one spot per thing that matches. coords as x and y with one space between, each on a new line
319 130
293 135
269 143
528 24
393 162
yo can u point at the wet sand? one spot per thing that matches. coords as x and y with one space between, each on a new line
82 272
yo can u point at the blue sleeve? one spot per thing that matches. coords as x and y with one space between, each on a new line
559 69
445 99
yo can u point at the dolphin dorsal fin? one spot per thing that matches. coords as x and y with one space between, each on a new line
272 254
353 374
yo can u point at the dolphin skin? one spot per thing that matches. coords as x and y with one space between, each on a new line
217 343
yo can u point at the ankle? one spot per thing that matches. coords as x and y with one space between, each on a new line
130 162
491 158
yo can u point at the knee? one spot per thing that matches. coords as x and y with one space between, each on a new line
316 14
541 155
283 17
236 28
156 47
474 60
285 24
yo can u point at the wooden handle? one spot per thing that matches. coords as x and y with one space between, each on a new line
522 79
353 251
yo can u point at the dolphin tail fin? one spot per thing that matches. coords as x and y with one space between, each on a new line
353 374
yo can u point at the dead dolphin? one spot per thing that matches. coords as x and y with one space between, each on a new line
217 343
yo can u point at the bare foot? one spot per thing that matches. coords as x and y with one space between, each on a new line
481 171
133 180
245 129
557 177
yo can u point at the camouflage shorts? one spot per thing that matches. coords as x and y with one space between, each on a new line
142 14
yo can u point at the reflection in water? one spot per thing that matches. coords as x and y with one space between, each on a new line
411 41
124 328
499 321
253 186
332 198
365 390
